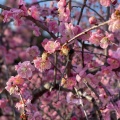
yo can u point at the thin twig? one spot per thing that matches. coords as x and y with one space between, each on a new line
55 70
83 65
81 13
62 78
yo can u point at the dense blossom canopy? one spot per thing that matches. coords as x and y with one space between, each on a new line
60 60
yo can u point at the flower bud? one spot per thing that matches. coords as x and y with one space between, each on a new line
92 20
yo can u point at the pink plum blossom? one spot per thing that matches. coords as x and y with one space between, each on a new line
114 63
70 82
64 15
95 37
25 69
62 3
13 82
34 12
13 13
68 30
52 46
105 41
64 12
114 21
19 105
33 51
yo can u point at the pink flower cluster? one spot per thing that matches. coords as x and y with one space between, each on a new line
99 38
105 41
67 31
67 74
114 25
70 82
15 14
34 12
13 82
64 12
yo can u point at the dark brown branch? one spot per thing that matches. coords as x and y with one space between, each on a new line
113 115
116 97
4 7
81 13
45 88
55 69
49 86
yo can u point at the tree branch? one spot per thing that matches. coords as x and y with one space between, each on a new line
84 32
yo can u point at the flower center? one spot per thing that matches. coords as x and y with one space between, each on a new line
117 13
51 45
24 69
17 81
42 64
